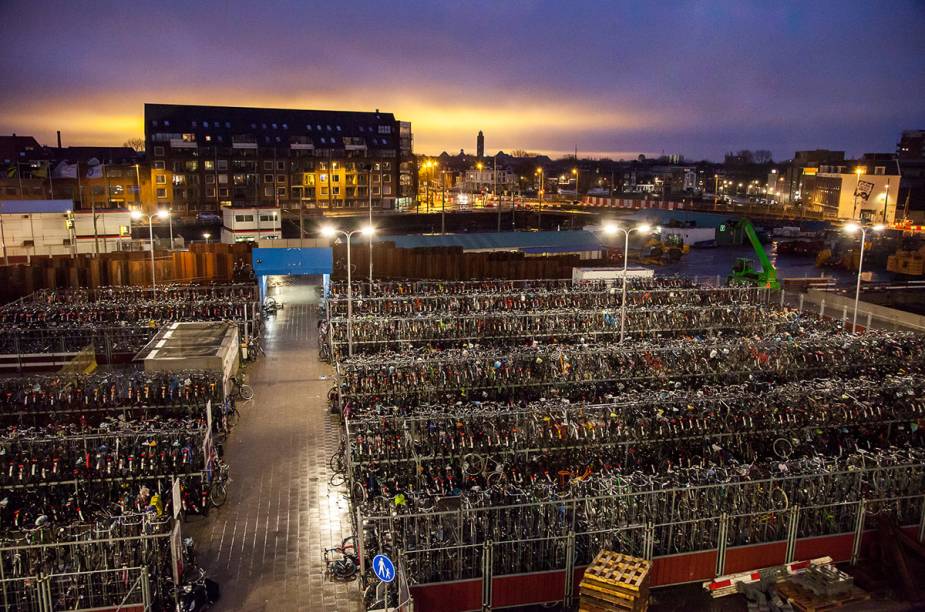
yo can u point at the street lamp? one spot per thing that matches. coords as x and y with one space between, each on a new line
611 229
161 214
851 229
329 231
206 235
577 194
539 172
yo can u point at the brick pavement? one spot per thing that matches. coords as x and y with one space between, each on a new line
264 545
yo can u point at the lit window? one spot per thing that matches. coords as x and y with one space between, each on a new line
338 128
323 141
166 123
362 129
161 192
208 138
277 139
328 127
208 164
274 126
318 126
308 127
227 124
285 126
160 179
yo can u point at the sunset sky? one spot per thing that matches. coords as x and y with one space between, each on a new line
613 78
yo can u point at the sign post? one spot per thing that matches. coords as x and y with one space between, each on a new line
385 572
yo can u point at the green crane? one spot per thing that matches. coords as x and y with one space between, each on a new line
743 273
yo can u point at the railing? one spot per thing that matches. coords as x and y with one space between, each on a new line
480 570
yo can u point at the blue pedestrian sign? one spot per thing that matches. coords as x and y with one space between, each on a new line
383 568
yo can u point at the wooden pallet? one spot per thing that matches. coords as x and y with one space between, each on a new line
616 581
806 601
630 574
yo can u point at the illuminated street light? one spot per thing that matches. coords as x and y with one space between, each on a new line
329 231
851 229
611 229
160 214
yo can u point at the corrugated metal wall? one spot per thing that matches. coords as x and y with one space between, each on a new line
202 263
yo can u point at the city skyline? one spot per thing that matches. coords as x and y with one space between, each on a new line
616 80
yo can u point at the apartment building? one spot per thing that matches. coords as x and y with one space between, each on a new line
205 158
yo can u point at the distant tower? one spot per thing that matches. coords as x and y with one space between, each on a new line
480 145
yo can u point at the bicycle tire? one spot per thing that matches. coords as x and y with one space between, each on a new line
246 392
218 495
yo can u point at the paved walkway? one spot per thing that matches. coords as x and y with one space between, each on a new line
264 545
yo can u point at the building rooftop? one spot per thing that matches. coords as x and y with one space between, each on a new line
28 207
525 242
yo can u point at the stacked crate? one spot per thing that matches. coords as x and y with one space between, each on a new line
615 582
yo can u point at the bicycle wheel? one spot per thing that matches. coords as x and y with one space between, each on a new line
218 494
246 392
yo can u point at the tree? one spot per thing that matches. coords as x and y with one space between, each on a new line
762 156
135 143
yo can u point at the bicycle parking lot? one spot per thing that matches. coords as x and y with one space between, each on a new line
100 470
480 459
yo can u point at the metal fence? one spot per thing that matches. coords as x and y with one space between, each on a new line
528 537
571 550
126 589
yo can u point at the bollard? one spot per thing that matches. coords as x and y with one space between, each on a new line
822 307
870 317
801 302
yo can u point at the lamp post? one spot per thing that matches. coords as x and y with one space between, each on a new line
161 214
851 229
575 171
611 229
539 172
478 177
329 231
206 235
